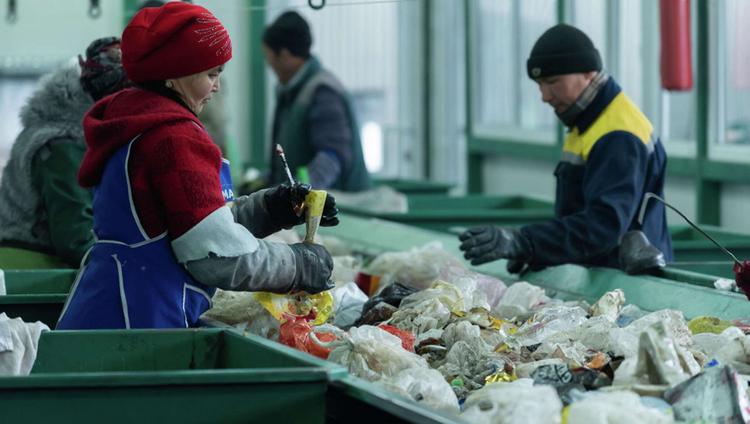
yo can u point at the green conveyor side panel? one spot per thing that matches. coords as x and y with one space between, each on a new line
39 281
688 292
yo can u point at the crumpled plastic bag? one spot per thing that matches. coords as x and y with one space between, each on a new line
421 317
417 268
407 338
599 334
372 353
546 323
518 301
518 402
242 310
297 332
348 301
628 314
673 320
472 360
392 294
731 347
477 288
660 361
381 199
318 307
609 305
716 395
345 269
618 407
450 296
424 385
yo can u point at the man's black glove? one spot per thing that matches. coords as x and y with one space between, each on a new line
486 244
284 204
314 267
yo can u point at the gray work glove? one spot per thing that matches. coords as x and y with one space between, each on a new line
283 200
314 267
485 244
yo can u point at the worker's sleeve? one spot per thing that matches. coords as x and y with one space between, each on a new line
67 205
222 253
331 137
613 183
251 212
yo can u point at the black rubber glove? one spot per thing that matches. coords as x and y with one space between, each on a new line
283 203
314 267
486 244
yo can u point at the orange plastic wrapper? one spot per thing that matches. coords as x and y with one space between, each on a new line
407 338
295 332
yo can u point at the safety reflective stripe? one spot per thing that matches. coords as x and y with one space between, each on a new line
123 299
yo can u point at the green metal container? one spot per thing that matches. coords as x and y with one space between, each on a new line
414 186
39 281
36 295
188 376
352 400
689 292
454 213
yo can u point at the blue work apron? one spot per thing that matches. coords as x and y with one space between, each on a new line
128 280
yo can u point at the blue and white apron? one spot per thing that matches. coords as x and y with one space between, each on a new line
128 280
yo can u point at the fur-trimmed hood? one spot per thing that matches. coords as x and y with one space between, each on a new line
59 100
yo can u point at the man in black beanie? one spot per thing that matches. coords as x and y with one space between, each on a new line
611 158
314 119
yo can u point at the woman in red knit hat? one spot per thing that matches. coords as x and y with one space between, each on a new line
168 228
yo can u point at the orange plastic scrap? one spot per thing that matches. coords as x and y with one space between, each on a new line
598 361
295 332
407 338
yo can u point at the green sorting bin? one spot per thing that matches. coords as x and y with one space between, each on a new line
188 376
36 295
452 213
671 289
414 186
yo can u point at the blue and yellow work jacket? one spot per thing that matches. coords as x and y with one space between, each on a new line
610 159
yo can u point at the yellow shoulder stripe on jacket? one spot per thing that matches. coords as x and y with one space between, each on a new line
620 115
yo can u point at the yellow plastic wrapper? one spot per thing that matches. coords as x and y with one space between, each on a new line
299 304
500 377
314 203
706 324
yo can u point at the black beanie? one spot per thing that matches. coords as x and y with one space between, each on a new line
289 31
562 49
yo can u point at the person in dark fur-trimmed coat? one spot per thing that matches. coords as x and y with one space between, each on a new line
45 216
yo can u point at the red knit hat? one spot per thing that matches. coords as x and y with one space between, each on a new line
172 41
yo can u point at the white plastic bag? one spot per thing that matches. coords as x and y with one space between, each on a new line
619 407
372 353
421 317
424 385
519 402
546 323
518 300
609 305
241 310
348 301
417 268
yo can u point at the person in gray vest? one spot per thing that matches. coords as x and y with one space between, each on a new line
314 119
45 216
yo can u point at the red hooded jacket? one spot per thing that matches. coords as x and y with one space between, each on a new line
174 166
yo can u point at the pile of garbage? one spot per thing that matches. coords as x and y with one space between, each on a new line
422 325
